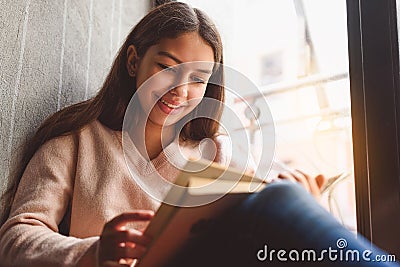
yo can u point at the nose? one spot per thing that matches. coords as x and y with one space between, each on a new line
181 90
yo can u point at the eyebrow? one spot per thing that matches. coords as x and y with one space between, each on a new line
167 54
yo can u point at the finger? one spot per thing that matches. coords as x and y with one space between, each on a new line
126 252
296 177
113 264
314 189
250 172
302 178
120 220
128 262
123 236
286 176
321 181
291 177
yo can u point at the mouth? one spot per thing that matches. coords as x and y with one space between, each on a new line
169 104
170 108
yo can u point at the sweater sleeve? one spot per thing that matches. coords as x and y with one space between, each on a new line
30 236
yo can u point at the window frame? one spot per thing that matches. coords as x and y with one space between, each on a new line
375 108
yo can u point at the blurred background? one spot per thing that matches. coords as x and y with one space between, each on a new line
296 52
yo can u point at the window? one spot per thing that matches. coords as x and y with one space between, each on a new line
296 52
300 53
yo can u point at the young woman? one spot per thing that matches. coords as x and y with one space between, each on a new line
74 196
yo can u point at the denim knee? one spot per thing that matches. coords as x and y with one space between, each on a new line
284 207
277 195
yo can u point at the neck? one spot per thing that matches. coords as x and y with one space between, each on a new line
155 136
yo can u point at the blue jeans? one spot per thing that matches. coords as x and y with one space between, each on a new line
280 226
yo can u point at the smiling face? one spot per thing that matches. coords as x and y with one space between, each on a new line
183 66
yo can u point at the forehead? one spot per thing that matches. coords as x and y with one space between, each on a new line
187 47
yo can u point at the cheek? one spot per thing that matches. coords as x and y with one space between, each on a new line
151 83
194 98
197 93
155 81
143 73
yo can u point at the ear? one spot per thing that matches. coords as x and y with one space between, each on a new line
132 61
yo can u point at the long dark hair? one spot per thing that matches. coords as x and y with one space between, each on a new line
109 105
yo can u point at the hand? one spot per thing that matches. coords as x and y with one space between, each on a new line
311 184
120 246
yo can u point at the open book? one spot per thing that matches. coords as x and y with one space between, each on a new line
204 191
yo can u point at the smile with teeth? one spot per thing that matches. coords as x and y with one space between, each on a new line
169 104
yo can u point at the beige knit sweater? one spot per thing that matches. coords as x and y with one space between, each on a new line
81 181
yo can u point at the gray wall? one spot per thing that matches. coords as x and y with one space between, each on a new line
54 53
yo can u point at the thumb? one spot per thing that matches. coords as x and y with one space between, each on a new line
320 180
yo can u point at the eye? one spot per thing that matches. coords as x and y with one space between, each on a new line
198 80
167 68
